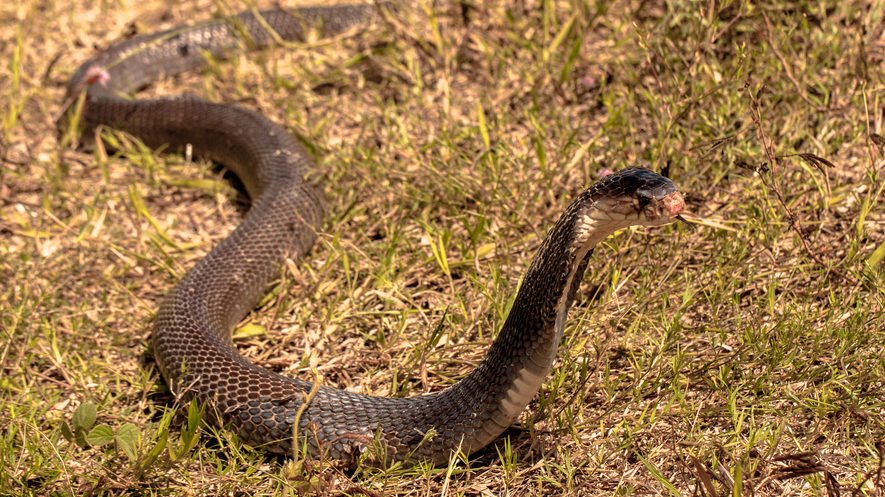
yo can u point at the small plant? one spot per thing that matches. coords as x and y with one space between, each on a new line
84 432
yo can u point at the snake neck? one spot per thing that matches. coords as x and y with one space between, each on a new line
524 351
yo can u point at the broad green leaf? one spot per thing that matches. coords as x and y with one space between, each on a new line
127 440
100 435
84 416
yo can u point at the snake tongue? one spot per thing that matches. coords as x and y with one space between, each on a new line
690 225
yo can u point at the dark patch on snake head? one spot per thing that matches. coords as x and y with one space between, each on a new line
644 183
644 198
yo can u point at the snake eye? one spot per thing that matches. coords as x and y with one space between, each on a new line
644 198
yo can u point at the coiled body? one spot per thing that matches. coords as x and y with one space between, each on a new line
191 337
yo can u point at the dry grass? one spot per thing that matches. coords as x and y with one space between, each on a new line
746 357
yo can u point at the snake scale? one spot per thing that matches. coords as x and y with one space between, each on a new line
191 335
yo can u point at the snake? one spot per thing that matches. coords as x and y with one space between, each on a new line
191 336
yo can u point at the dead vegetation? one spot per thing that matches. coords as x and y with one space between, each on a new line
744 357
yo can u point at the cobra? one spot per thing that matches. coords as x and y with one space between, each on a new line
191 336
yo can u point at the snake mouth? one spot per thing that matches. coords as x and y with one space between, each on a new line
660 208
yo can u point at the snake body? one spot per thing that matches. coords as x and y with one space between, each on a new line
191 335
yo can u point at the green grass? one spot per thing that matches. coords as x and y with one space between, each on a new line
745 357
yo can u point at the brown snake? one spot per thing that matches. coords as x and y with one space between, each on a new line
191 337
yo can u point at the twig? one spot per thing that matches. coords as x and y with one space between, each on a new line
772 172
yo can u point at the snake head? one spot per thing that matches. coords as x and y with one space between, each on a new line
635 196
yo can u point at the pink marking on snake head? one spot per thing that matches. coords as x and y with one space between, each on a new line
97 74
673 204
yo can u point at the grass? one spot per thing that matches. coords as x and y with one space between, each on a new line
745 357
